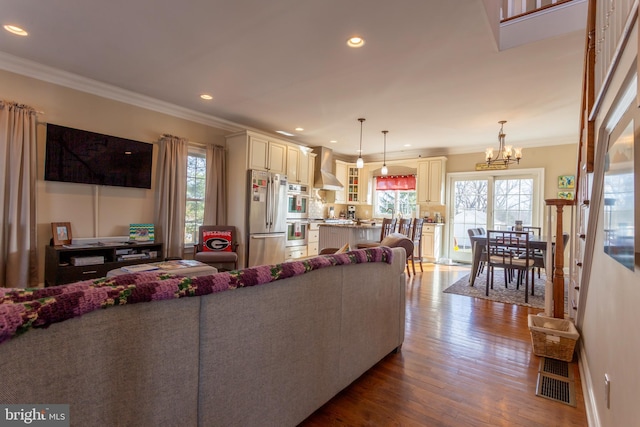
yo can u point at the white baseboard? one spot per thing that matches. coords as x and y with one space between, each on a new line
587 391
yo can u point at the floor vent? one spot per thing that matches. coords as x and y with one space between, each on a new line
556 367
555 381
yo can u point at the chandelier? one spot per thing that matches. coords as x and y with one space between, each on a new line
506 153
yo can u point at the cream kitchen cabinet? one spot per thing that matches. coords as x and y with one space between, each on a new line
299 165
342 170
313 240
431 173
265 154
432 241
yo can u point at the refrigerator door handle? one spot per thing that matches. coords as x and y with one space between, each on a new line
268 203
267 236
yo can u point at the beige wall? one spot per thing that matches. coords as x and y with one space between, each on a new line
94 211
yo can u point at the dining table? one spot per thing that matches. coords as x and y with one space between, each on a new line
479 246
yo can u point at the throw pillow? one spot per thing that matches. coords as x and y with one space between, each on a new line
217 241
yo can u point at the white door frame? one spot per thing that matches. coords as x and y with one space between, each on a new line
537 210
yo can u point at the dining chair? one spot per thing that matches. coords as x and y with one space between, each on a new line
416 237
388 227
509 250
472 232
404 227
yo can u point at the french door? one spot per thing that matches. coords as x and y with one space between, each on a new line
490 200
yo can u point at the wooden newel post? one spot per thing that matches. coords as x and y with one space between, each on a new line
558 258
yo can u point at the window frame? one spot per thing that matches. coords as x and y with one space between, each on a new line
199 152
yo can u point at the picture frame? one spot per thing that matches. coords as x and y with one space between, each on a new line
61 232
567 181
566 195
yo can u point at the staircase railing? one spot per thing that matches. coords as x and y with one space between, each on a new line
512 9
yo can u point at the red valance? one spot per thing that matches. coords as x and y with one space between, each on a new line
396 182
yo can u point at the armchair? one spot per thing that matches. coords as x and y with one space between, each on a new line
217 244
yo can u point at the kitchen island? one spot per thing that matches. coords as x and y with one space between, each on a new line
336 235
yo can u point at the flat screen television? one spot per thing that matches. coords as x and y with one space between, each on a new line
80 156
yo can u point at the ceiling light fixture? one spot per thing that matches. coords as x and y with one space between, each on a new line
355 42
506 153
299 129
281 132
384 169
16 30
206 97
360 161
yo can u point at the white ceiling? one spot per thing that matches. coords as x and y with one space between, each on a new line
430 71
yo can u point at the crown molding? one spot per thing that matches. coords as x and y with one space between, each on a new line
48 74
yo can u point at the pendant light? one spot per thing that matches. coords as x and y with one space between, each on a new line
384 169
360 161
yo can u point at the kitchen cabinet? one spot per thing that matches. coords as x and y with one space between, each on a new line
353 179
431 174
265 154
432 241
313 240
299 165
295 252
342 171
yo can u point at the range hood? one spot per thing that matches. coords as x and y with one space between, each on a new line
324 179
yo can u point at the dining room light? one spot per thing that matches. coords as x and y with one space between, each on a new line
360 161
506 153
384 169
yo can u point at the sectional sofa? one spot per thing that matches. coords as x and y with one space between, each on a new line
264 346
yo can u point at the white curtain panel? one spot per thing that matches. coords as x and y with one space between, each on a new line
17 196
171 197
215 202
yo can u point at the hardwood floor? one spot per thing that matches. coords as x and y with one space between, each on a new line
464 362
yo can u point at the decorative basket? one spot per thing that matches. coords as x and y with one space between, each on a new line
553 338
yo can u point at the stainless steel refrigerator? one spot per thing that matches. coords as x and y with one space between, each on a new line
266 218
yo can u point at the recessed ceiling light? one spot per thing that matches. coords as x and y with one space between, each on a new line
407 145
281 132
333 141
355 42
206 96
299 129
16 30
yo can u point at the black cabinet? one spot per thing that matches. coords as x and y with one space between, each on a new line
59 263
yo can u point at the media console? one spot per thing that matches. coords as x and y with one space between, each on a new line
71 263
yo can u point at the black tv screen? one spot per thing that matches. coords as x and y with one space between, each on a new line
74 155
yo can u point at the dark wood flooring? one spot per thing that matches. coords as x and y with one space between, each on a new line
464 362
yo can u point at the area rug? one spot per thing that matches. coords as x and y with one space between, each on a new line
499 294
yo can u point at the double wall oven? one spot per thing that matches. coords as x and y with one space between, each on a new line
297 214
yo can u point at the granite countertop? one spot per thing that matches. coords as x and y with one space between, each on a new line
351 225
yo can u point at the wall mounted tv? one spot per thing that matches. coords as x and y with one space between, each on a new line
74 155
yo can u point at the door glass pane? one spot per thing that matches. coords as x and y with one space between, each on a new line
512 201
470 211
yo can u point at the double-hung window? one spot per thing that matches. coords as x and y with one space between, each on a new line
196 184
395 194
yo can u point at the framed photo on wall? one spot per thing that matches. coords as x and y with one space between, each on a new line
61 232
566 181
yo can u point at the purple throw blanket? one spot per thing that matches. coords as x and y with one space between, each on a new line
23 309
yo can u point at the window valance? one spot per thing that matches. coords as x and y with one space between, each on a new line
396 182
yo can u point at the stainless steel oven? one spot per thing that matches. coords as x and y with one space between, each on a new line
297 232
298 201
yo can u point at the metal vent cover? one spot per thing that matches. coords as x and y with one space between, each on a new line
555 382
